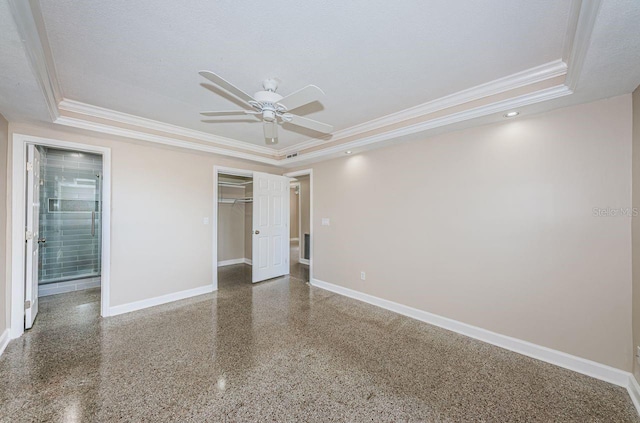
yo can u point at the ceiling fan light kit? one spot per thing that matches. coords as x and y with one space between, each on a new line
270 106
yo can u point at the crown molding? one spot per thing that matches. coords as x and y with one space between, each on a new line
517 80
28 19
158 139
580 40
154 125
582 18
497 107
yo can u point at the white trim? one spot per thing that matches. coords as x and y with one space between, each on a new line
559 358
294 239
517 80
162 299
19 145
4 340
634 391
154 125
130 133
68 286
248 261
581 40
28 19
304 172
498 107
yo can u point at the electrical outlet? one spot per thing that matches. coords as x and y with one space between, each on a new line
205 220
363 276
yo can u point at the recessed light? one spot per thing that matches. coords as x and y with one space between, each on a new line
511 114
348 152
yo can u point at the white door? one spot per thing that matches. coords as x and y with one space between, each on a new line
270 226
32 235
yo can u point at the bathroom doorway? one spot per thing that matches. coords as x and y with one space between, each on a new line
64 223
60 226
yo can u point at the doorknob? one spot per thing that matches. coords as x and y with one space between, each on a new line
42 240
257 232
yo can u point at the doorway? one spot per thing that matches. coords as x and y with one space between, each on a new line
63 208
300 219
60 224
301 243
251 224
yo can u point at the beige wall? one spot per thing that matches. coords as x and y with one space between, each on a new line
160 195
293 214
4 276
636 229
305 209
231 226
494 226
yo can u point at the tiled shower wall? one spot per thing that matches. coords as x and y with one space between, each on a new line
70 190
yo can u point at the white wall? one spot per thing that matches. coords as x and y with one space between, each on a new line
494 226
160 196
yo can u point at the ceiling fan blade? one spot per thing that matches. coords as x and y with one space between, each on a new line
307 123
306 95
222 83
270 130
228 113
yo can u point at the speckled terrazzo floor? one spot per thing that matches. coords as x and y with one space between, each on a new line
277 351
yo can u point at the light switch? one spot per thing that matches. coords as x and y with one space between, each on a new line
205 220
325 221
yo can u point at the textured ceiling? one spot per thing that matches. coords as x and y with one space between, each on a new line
20 95
371 58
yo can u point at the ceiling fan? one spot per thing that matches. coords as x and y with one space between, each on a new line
271 107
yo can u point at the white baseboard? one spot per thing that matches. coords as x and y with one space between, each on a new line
234 261
634 391
559 358
67 286
163 299
248 261
4 340
303 261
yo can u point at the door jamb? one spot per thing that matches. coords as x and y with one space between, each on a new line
18 220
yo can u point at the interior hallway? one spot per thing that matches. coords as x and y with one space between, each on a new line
280 350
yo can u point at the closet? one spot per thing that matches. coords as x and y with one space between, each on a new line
235 219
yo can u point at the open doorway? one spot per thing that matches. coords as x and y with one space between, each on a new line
60 227
301 214
300 220
63 211
251 226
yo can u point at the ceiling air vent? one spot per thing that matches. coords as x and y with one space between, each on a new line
292 155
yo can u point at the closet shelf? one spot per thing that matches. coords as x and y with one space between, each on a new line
234 184
235 200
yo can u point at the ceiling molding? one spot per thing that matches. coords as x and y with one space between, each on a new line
497 107
158 139
28 19
497 86
581 39
582 19
154 125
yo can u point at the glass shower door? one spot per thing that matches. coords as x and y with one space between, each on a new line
71 216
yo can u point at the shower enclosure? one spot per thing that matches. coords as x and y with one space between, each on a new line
70 216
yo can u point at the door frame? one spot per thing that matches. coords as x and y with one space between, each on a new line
18 221
216 171
305 172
